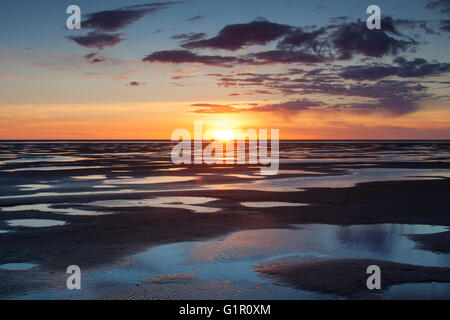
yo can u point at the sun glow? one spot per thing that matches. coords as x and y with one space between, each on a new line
224 135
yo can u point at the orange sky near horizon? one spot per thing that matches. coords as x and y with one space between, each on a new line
157 120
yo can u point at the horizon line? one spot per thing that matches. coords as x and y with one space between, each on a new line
169 140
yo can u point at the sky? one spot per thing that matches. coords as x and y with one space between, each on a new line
140 69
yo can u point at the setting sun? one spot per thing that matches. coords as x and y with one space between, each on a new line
224 135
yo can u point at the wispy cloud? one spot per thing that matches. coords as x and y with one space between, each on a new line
195 18
94 57
136 84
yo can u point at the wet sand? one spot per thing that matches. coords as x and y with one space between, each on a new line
438 242
347 277
95 242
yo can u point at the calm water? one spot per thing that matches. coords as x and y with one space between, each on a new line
17 266
232 258
75 169
35 223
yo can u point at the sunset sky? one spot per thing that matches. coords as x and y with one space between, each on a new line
140 70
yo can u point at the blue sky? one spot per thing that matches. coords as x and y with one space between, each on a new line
35 23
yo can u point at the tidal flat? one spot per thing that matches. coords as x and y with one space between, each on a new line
140 227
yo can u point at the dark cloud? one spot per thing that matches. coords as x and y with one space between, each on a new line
195 18
388 96
94 57
293 106
311 44
248 79
262 92
237 36
392 103
113 20
296 45
186 56
374 72
442 5
284 107
356 38
445 26
340 19
403 68
136 84
420 67
97 40
261 58
408 24
393 97
301 38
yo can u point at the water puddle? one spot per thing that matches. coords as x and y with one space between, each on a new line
65 194
292 184
380 241
35 223
231 259
33 187
104 187
243 176
348 180
417 291
271 204
90 177
188 203
150 180
172 169
17 266
285 171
